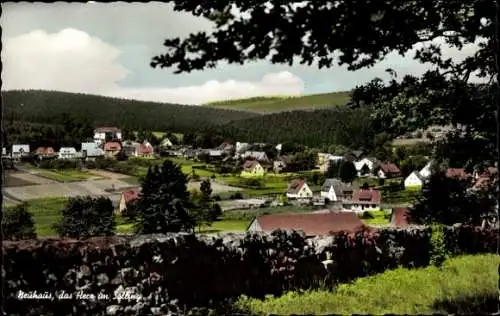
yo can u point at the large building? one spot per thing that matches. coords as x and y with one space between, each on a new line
101 134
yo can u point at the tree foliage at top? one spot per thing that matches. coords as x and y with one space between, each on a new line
18 223
328 33
84 217
163 205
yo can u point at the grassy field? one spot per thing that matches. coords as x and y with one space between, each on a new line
46 212
379 218
460 286
226 225
401 197
275 104
64 175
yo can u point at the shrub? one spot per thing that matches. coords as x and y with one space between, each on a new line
85 217
18 223
236 196
438 246
90 164
367 215
217 198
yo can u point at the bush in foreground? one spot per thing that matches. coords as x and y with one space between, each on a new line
85 217
18 223
463 285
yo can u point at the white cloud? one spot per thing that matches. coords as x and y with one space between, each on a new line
73 61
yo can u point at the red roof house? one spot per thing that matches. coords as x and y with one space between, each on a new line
143 150
364 200
45 151
312 224
298 189
388 170
126 198
112 148
458 173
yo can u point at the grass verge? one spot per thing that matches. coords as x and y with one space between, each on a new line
463 285
64 175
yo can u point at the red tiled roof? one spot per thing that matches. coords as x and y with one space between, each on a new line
112 146
130 195
399 217
456 173
143 149
389 168
45 150
369 196
250 164
312 224
295 186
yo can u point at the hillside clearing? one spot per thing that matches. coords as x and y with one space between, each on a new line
274 104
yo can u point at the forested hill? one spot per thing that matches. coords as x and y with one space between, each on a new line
277 104
48 107
340 125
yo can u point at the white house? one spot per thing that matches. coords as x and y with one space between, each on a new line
19 151
257 155
335 190
92 150
299 189
4 152
241 147
100 134
426 171
166 143
415 179
67 153
368 162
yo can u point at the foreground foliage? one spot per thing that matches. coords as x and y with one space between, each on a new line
84 217
462 285
18 223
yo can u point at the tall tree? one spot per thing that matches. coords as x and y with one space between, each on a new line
348 172
164 201
205 210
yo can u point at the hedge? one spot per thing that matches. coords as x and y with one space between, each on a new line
174 273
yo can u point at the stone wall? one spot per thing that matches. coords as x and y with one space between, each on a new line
157 274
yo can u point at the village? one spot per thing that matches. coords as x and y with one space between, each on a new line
243 179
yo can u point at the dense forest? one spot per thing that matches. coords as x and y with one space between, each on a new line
48 118
316 128
48 106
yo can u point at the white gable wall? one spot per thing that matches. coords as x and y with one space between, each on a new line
426 171
413 180
254 226
330 195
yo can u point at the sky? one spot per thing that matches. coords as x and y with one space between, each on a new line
106 49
